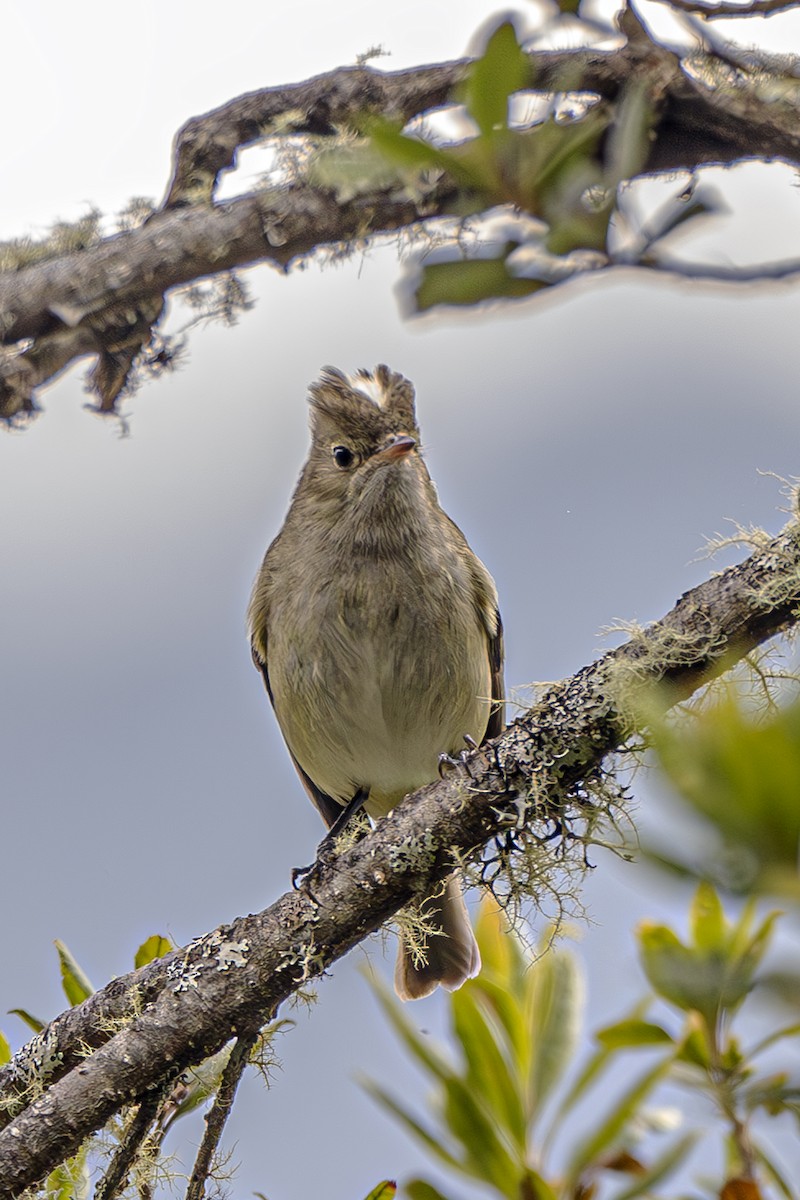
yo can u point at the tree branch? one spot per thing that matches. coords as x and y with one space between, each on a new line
125 1154
221 1110
223 984
106 298
729 8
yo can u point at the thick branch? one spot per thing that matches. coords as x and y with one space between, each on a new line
208 144
730 8
225 982
105 298
175 248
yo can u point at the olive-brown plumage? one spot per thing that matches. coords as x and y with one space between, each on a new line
377 630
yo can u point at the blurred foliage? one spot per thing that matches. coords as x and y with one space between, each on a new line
547 170
739 772
517 1103
555 176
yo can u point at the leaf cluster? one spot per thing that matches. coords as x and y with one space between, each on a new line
72 1180
739 772
511 1115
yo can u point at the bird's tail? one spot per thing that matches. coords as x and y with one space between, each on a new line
451 952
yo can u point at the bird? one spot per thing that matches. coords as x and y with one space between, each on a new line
378 634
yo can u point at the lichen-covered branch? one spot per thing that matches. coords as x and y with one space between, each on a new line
730 8
113 1182
230 980
106 298
216 1118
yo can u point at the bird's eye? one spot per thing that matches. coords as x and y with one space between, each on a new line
343 456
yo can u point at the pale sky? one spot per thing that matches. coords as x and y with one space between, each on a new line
587 441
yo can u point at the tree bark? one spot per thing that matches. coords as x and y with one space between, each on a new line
541 768
106 299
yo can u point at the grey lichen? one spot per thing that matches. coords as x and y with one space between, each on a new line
232 954
414 854
202 954
31 1069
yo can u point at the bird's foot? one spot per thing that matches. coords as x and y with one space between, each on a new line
326 850
448 762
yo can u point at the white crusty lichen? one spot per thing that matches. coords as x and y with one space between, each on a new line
415 853
306 956
232 954
32 1067
215 949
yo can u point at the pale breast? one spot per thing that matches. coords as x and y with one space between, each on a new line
376 680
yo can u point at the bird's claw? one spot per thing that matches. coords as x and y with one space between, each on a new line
300 876
448 762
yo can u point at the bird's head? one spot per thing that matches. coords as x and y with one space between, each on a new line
364 463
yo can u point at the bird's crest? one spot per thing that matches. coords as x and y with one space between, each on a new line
375 401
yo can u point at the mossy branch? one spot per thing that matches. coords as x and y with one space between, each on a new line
82 294
222 985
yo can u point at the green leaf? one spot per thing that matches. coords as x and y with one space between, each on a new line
743 776
534 1185
70 1180
32 1022
502 69
470 281
554 1008
75 983
676 972
628 143
198 1084
487 1153
416 154
775 1094
775 1175
593 1068
421 1048
501 1000
787 1031
488 1071
501 953
429 1137
707 920
155 947
420 1189
748 952
352 170
714 974
616 1120
630 1034
5 1050
384 1191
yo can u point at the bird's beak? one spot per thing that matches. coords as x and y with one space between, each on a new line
398 447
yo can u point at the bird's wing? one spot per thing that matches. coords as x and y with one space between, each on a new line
328 808
496 722
485 594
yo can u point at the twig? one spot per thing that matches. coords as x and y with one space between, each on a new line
728 8
216 1118
129 1147
232 978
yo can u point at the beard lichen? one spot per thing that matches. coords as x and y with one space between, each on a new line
535 866
415 924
